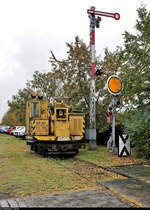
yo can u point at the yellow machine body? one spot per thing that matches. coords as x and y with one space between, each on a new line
37 117
53 129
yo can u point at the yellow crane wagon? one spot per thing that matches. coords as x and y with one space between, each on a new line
53 129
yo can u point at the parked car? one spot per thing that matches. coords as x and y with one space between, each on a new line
20 132
4 128
9 130
15 128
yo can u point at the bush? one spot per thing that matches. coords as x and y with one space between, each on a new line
137 126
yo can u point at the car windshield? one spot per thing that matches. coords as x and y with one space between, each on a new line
22 128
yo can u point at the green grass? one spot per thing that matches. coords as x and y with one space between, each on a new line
100 155
23 172
103 157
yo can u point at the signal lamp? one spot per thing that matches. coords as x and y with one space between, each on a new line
110 113
118 103
98 72
110 110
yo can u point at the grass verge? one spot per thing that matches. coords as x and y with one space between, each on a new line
103 157
23 172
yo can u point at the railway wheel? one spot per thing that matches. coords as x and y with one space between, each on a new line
45 153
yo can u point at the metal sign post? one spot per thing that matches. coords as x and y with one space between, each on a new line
114 86
92 130
94 22
113 125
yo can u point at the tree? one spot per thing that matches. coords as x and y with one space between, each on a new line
136 61
69 80
72 74
44 83
10 118
136 77
137 126
17 108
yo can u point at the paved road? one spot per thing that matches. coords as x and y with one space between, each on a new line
131 192
88 198
136 188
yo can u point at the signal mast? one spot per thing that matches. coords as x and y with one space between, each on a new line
94 21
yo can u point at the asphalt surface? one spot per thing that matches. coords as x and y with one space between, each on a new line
137 187
88 198
133 190
129 192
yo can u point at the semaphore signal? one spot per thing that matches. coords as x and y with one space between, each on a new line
94 22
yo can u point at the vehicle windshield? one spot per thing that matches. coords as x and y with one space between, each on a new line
61 114
35 109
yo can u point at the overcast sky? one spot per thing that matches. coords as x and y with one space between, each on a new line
29 29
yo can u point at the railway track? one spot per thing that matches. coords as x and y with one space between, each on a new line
90 171
109 169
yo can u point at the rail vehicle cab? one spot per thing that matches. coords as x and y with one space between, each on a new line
37 117
61 122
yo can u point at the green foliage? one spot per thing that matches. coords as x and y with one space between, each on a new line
44 83
137 126
136 62
17 106
69 80
72 76
10 118
136 78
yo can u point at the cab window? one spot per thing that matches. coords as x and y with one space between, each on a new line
61 114
35 109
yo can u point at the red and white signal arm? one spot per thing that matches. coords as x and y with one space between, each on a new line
114 85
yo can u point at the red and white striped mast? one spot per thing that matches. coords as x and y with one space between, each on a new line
94 22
